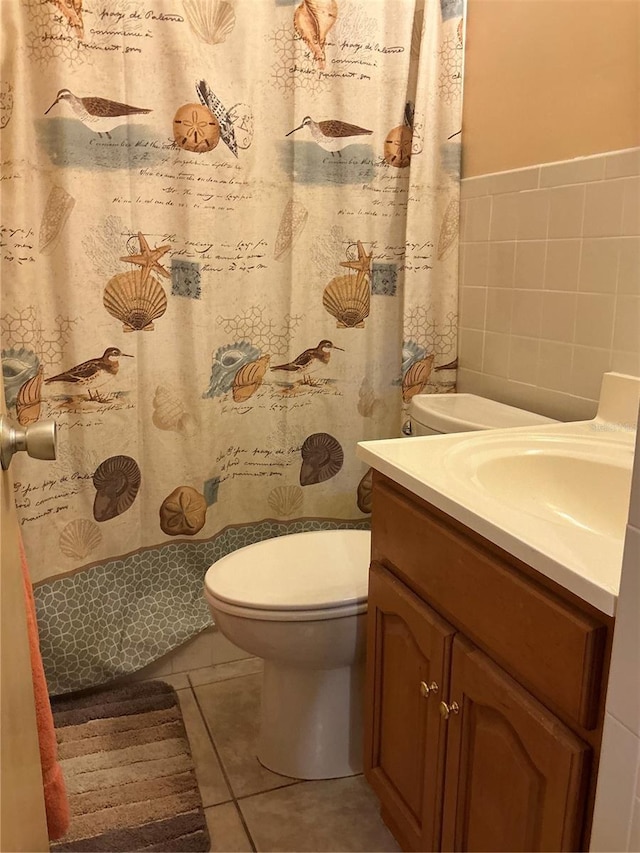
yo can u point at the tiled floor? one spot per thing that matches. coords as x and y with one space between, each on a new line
247 806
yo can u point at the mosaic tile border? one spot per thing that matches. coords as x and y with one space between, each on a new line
123 614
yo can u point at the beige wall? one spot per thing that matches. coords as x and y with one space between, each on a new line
549 80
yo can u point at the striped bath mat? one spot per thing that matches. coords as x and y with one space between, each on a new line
129 772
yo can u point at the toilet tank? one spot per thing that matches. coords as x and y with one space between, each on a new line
435 414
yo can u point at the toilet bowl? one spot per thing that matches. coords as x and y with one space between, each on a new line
300 601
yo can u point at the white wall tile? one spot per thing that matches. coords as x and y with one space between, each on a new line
529 268
496 354
587 368
566 209
620 164
603 208
504 217
594 320
501 263
631 208
476 256
615 792
599 265
533 214
477 219
572 172
629 266
470 348
562 264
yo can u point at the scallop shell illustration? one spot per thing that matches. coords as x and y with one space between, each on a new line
134 300
347 298
322 458
211 20
449 228
285 500
79 538
294 218
183 512
18 365
365 490
416 378
29 400
117 481
249 378
312 21
226 363
169 412
56 212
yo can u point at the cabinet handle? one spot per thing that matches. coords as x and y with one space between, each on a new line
427 689
445 709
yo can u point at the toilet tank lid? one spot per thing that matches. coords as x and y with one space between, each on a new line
300 571
465 412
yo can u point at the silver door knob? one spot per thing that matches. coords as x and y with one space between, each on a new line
39 440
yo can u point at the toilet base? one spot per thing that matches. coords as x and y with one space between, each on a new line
311 725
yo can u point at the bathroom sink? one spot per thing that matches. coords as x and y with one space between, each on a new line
580 483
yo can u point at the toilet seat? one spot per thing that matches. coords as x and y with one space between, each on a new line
299 577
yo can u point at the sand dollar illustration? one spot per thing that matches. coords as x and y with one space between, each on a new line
397 146
117 481
322 458
195 128
183 512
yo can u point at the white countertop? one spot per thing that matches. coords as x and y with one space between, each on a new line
585 559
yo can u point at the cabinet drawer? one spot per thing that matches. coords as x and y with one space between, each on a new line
549 646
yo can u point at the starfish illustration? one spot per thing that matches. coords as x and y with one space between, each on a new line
363 264
148 258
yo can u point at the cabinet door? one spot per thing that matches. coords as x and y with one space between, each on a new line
515 776
408 647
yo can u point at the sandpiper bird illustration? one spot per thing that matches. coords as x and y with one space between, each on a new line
332 135
92 373
306 359
98 114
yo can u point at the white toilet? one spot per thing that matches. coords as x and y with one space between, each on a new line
300 602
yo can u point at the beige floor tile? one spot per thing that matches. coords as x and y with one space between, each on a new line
226 831
211 782
178 682
232 711
223 671
332 815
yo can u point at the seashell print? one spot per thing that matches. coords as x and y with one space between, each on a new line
449 228
195 128
183 512
312 21
117 481
56 212
134 299
285 501
79 538
72 11
411 352
249 378
29 400
169 412
211 20
294 218
368 404
226 363
347 298
6 103
18 365
322 458
365 490
416 378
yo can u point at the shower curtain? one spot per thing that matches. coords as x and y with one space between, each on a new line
229 253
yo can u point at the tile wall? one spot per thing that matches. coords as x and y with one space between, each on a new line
616 819
550 282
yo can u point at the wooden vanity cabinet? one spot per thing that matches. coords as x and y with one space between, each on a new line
481 732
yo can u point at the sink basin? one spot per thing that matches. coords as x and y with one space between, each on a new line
577 483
